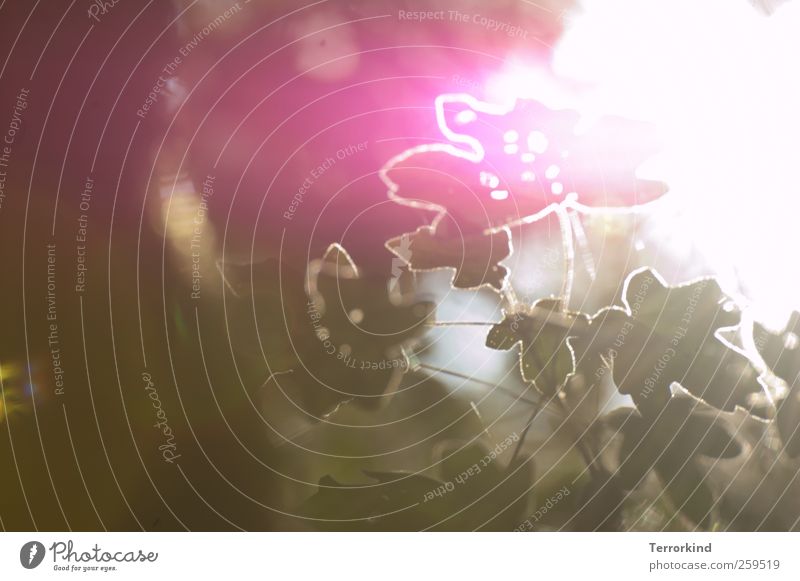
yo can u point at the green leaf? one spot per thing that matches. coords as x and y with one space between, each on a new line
356 313
543 332
345 341
487 493
600 506
685 428
670 444
674 335
781 352
475 257
477 491
360 332
686 486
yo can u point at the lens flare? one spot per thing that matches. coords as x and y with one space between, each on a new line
720 81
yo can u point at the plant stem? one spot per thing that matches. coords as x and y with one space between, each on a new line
481 382
510 296
583 448
540 405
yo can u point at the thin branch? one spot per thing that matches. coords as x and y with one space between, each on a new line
510 296
583 448
540 405
510 392
480 418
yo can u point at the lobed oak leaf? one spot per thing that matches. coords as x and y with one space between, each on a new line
505 164
781 352
361 332
345 341
543 332
675 334
475 257
670 444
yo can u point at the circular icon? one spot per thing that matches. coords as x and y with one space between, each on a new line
31 554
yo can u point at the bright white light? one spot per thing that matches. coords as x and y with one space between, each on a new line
489 180
499 194
466 116
722 83
537 142
519 81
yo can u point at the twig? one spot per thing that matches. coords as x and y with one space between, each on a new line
583 448
510 296
540 405
510 392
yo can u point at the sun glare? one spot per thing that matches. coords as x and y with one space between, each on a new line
721 82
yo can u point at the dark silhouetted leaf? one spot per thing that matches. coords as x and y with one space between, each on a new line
673 334
392 501
514 163
781 351
344 342
687 488
544 331
670 444
476 492
360 331
488 494
355 314
474 256
600 506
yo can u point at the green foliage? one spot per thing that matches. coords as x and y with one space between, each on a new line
474 257
677 351
472 493
543 332
673 335
670 445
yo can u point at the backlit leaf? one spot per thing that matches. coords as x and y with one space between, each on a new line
543 332
475 257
